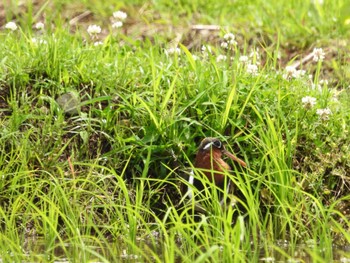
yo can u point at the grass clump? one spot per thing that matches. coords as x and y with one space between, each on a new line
107 177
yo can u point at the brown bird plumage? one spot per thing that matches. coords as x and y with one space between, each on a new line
209 160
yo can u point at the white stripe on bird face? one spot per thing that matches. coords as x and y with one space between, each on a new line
190 181
207 146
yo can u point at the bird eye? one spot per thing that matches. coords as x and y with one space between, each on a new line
217 144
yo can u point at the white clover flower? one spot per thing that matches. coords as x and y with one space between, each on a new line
230 39
39 26
120 15
268 259
206 50
252 69
289 72
323 81
243 59
195 57
98 43
324 113
255 54
126 255
220 58
344 260
318 54
11 25
233 42
39 41
173 50
229 36
308 102
224 45
117 24
94 30
298 73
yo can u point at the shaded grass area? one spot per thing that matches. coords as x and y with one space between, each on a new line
116 169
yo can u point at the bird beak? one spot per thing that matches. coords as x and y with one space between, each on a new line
234 158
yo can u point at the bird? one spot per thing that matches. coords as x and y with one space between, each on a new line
209 160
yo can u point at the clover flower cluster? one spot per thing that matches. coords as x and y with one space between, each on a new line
229 41
117 21
324 113
309 102
249 62
173 50
118 18
40 26
318 54
94 30
206 50
11 26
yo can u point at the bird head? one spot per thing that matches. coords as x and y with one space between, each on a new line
215 146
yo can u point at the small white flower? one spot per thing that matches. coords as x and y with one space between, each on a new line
11 25
268 259
120 15
206 50
289 72
243 59
318 54
173 50
98 43
232 42
324 113
39 41
94 30
117 24
308 102
323 81
255 54
290 69
224 45
39 26
230 39
220 58
252 69
195 57
298 73
126 255
229 36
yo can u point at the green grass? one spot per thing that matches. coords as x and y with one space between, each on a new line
106 184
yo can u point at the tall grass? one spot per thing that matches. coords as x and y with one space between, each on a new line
106 184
